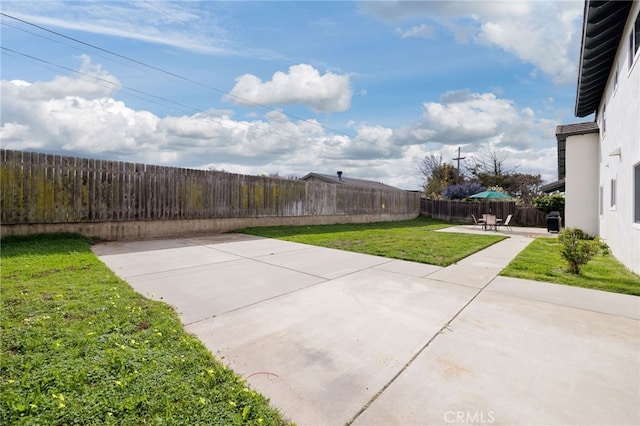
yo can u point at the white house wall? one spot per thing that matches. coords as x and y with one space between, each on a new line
620 151
581 183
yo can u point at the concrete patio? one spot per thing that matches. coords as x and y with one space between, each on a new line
334 337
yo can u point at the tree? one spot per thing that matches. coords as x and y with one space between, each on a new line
487 165
488 169
437 175
524 186
429 163
465 190
441 177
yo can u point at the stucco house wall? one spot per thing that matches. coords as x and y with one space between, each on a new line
581 183
618 117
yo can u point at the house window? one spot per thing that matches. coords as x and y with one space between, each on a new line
601 200
615 79
636 174
613 193
604 119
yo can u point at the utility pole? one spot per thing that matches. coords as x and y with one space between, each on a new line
458 159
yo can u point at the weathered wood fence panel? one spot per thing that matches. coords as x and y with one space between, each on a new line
530 216
461 211
44 188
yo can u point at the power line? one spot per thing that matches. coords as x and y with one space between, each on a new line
159 8
95 77
66 44
108 83
248 101
180 77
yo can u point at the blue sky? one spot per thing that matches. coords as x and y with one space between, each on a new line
269 87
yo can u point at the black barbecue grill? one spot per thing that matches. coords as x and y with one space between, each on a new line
554 222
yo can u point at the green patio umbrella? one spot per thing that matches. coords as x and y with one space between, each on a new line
491 195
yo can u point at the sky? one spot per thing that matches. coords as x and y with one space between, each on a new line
368 88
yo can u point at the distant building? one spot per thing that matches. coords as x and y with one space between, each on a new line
339 179
600 161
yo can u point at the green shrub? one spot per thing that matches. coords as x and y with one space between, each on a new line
578 248
549 202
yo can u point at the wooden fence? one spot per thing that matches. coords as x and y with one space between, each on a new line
43 188
461 211
530 216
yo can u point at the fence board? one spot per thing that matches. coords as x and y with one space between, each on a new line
67 185
108 186
31 162
7 190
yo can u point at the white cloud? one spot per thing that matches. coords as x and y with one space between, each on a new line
91 82
545 34
423 31
143 21
371 143
537 40
479 122
63 116
463 117
394 11
51 116
13 134
72 123
303 84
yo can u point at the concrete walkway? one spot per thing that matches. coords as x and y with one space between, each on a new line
334 337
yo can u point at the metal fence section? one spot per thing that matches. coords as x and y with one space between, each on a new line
45 188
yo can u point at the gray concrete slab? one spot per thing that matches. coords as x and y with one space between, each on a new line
205 291
324 351
412 269
622 305
322 262
498 255
120 247
469 275
332 336
512 360
253 248
128 265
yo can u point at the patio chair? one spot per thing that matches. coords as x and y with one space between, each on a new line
479 222
506 222
491 222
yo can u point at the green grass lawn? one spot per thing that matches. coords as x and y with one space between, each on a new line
79 346
413 240
541 261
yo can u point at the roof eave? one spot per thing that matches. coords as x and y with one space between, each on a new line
601 20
